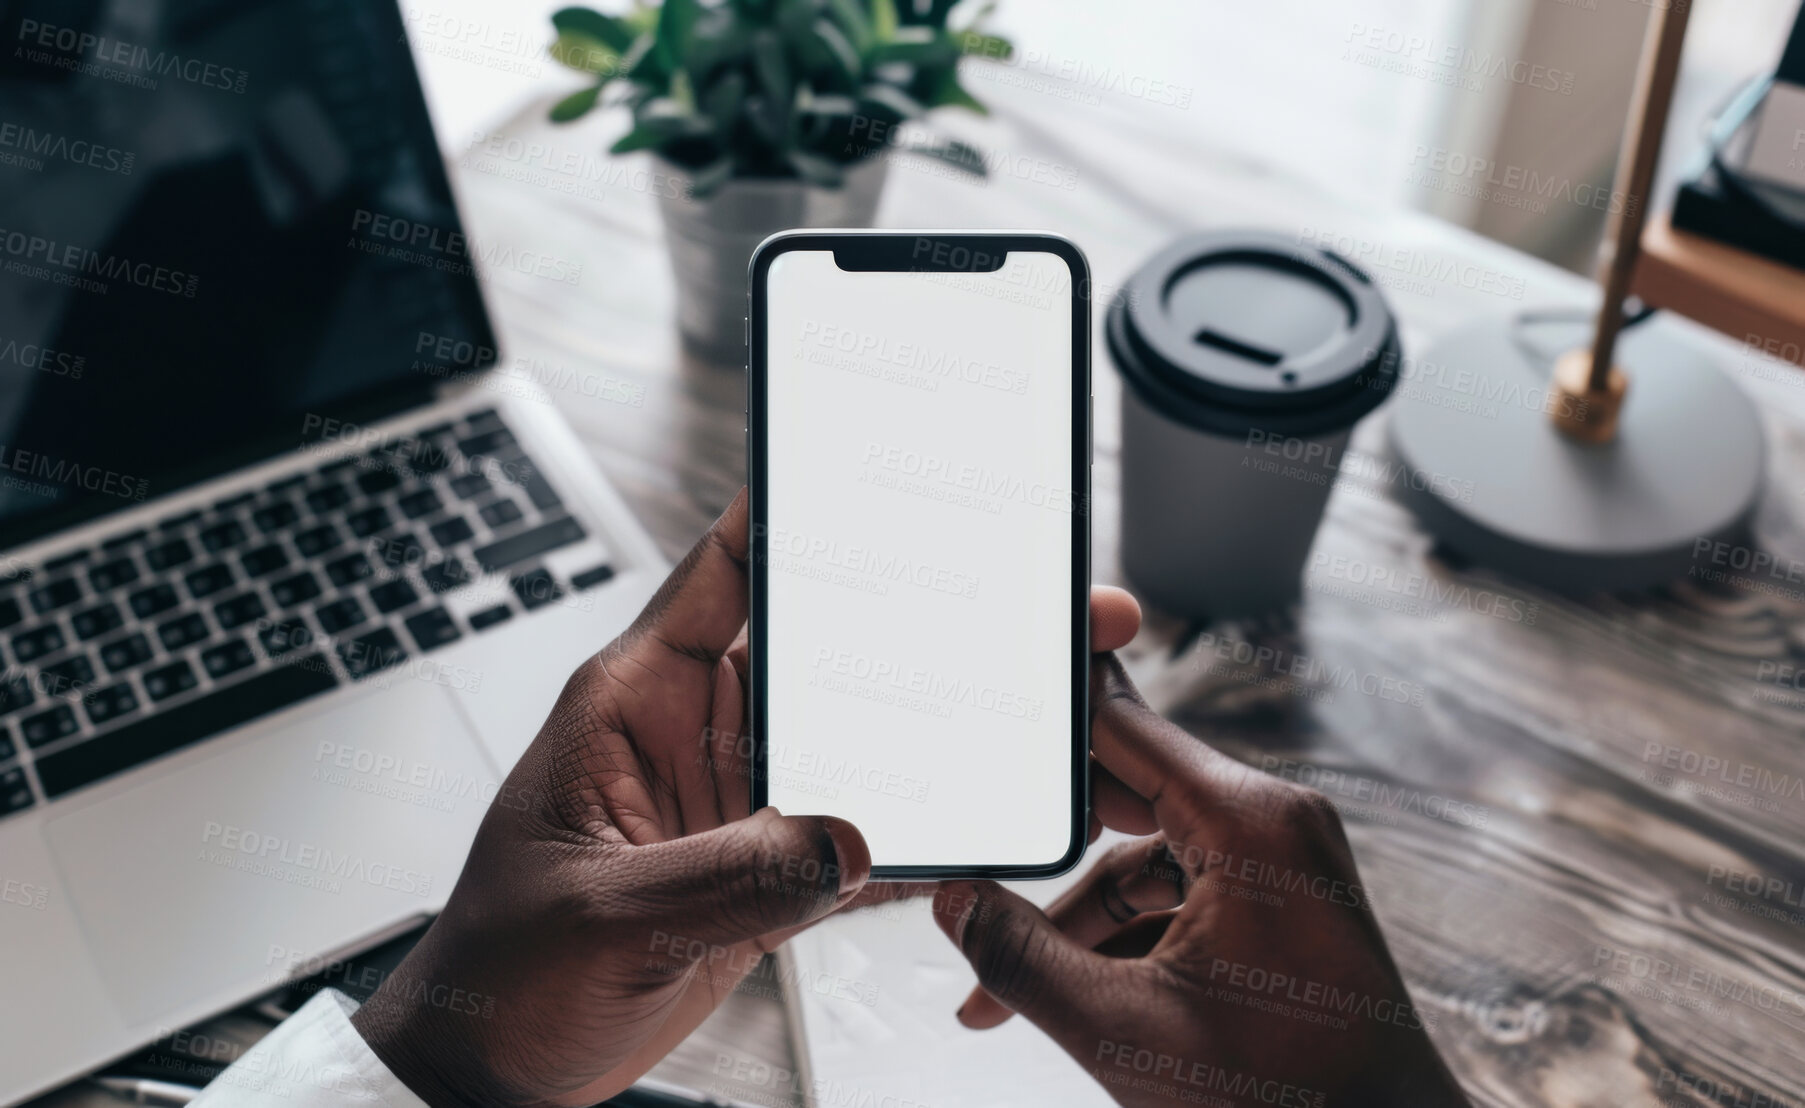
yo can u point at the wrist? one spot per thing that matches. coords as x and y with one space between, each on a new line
436 1062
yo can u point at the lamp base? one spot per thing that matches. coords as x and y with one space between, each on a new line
1495 481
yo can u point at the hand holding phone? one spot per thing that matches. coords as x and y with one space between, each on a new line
920 471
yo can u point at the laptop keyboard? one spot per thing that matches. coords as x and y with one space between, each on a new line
163 636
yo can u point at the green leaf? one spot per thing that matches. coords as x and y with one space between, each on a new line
845 58
682 92
810 102
976 44
893 98
575 105
613 33
815 169
883 20
770 119
676 19
723 100
949 93
639 138
772 65
853 20
585 54
918 46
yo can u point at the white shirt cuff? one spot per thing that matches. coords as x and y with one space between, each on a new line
315 1058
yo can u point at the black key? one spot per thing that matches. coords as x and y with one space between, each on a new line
540 491
151 601
485 420
264 560
37 642
227 657
298 589
328 498
489 617
182 631
108 576
376 481
431 628
166 681
399 552
392 595
182 520
109 703
47 727
368 521
10 612
57 594
133 650
184 724
67 676
590 578
486 443
64 561
340 614
283 636
536 588
371 653
223 536
209 579
175 552
501 513
7 749
15 694
239 610
529 544
15 794
470 485
417 504
448 574
274 517
317 540
96 621
235 501
349 569
427 458
434 431
452 531
120 542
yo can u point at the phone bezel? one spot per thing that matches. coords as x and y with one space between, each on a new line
903 251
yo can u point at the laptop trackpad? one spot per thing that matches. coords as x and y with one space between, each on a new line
217 875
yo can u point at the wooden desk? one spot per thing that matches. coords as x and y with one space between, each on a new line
1543 818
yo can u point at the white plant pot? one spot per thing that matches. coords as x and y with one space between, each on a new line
712 239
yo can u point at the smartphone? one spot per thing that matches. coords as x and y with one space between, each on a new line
918 430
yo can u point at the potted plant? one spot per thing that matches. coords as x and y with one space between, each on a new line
768 114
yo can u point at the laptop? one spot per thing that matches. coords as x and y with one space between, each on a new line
287 583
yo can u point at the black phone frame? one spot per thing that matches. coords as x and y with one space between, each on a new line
950 252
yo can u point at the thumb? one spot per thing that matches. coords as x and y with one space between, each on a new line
768 872
1020 957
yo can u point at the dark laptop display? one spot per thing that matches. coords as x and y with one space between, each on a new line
217 217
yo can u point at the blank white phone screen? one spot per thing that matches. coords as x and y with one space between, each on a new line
920 515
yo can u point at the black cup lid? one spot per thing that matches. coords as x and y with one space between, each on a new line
1235 330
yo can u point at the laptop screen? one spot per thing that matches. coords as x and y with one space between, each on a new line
220 221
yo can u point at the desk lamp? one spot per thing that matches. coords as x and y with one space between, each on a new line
1607 460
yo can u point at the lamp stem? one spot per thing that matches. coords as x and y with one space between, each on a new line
1655 79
